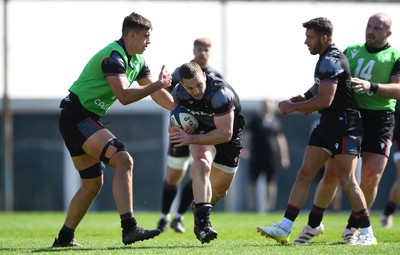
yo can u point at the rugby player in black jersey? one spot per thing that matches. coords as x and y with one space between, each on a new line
178 157
375 69
335 141
216 145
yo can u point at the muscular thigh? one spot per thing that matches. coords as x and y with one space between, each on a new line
84 137
76 128
221 179
342 165
338 135
378 131
200 152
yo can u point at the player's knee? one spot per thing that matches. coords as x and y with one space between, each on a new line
110 149
123 163
202 164
304 176
92 179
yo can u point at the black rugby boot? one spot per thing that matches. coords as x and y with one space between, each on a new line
202 225
57 243
138 234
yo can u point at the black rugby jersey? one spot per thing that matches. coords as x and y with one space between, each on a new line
333 65
219 98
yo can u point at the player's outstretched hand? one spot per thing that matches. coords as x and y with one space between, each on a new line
164 77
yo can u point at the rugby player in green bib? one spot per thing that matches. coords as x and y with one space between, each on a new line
108 76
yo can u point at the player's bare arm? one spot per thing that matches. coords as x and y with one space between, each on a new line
300 98
221 134
126 95
388 90
322 100
162 97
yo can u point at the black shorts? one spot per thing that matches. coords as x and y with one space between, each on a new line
228 154
396 131
76 124
182 151
378 131
340 133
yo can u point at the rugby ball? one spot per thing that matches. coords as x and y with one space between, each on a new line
180 116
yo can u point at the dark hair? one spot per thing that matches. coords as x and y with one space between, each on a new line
322 26
189 70
135 21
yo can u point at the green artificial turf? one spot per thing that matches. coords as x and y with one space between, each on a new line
100 233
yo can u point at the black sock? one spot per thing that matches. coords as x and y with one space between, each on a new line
362 218
389 208
315 216
168 195
128 222
291 212
202 214
352 221
66 234
186 197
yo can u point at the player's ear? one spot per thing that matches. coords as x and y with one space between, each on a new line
324 38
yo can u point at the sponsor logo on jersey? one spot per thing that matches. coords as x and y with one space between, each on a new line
201 113
385 57
136 65
101 104
354 53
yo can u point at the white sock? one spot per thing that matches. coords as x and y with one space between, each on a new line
178 216
165 216
366 231
286 225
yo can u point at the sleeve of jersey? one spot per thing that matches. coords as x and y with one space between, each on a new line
174 94
223 102
144 72
113 65
175 80
396 67
330 69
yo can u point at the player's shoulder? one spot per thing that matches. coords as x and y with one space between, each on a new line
395 52
213 72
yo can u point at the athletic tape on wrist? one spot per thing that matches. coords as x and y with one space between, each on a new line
374 87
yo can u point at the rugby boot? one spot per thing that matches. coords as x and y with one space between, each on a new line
177 225
162 225
57 243
275 232
308 233
202 225
138 234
